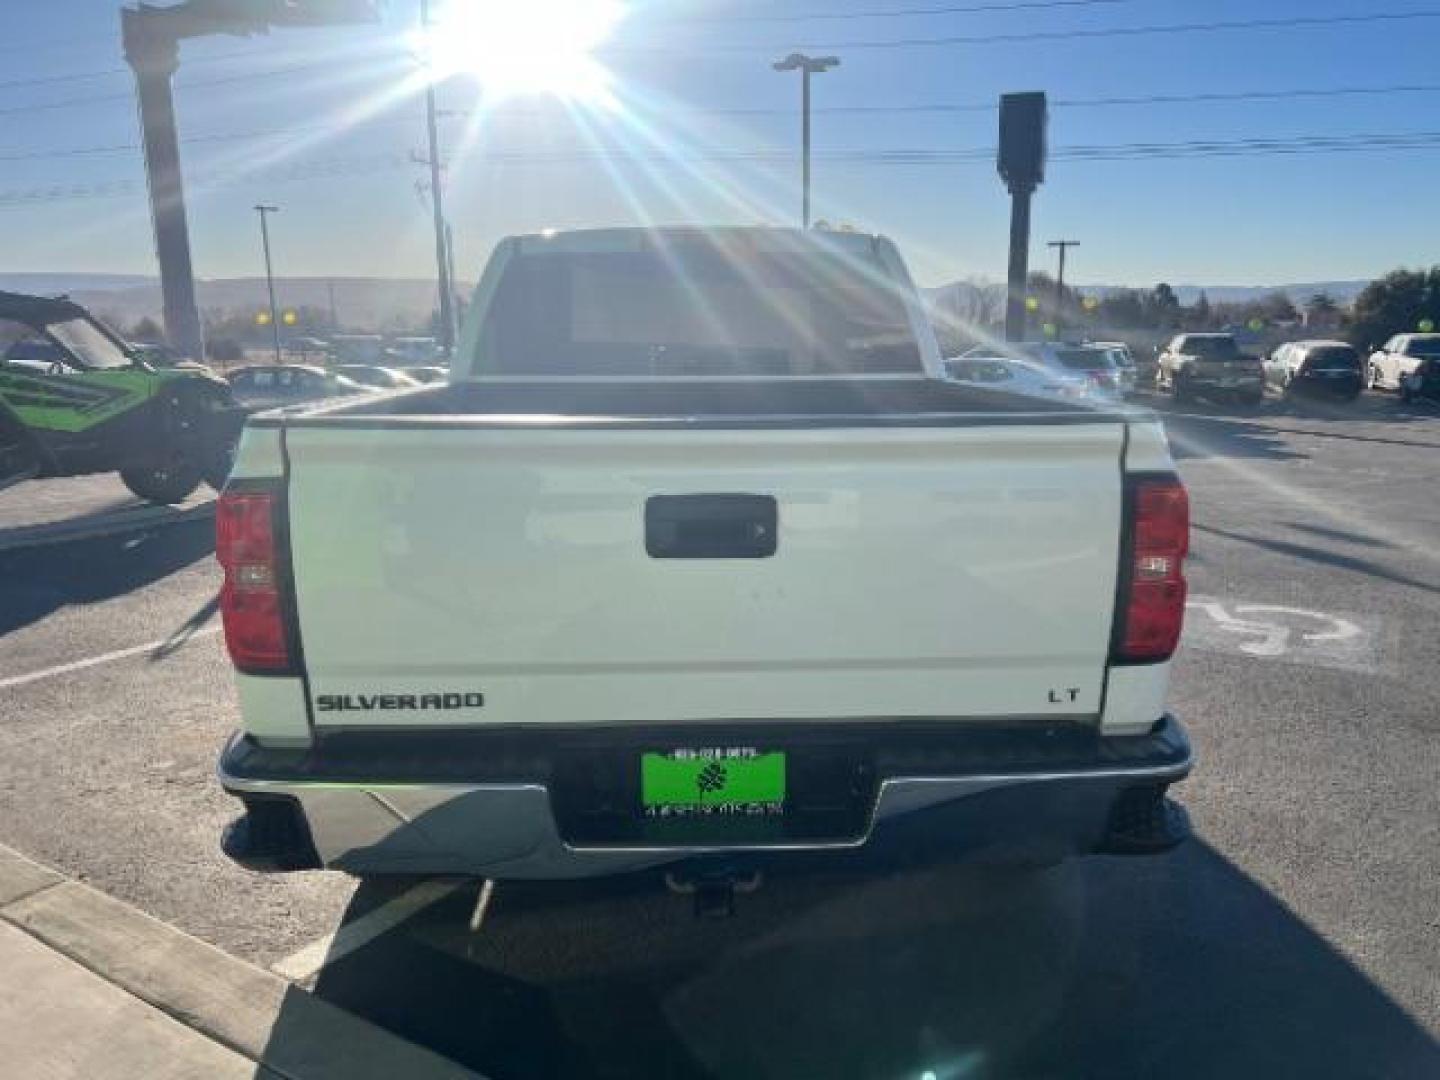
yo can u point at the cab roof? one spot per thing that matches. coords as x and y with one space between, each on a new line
636 239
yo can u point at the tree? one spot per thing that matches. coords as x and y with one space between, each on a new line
1123 308
1394 304
1276 307
1200 314
1040 288
146 329
964 312
224 350
1164 306
1323 302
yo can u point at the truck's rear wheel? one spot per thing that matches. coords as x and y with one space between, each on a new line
162 485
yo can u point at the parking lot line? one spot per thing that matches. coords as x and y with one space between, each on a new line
299 966
106 524
103 658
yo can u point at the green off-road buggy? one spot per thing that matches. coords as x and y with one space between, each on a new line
75 398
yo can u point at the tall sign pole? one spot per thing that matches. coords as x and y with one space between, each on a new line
443 278
154 59
807 66
270 274
151 36
1021 163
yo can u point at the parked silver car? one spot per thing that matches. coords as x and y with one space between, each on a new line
1015 376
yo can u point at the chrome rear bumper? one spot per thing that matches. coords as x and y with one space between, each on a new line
309 809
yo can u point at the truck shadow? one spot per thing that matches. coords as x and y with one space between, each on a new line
1180 966
37 581
1210 429
1195 436
1325 556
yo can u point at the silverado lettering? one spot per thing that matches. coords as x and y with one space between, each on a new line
372 702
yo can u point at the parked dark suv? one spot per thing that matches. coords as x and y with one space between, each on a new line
1423 382
1323 367
1209 365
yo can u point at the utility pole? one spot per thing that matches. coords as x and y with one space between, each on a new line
334 313
263 211
450 269
1062 246
807 66
442 246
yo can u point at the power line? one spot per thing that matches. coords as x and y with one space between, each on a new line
1108 102
53 43
915 155
1186 149
77 76
189 84
1294 93
66 103
888 13
213 58
1017 37
1295 22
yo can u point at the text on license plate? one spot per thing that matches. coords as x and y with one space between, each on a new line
719 780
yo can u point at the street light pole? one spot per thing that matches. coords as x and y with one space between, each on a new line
263 211
442 246
1062 246
807 66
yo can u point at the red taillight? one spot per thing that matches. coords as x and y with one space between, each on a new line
251 601
1154 591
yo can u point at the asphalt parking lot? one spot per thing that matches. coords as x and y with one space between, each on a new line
1297 935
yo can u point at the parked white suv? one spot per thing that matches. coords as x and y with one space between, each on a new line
1400 356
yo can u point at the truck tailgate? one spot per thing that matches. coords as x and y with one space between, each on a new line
453 576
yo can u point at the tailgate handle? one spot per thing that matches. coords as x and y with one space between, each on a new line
710 526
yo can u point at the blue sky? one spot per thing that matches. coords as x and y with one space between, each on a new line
261 120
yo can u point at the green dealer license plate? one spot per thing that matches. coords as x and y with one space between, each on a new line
712 781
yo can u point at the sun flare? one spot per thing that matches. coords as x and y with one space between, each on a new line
513 47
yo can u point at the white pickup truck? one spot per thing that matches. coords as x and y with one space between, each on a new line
698 563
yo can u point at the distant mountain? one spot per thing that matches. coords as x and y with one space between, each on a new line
1343 291
960 294
361 303
385 303
56 284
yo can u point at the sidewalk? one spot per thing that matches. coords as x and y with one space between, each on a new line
93 988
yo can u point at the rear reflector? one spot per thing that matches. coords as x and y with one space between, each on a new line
1154 589
251 603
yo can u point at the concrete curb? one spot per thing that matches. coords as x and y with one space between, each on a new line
120 521
253 1012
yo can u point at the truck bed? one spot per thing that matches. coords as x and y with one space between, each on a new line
888 402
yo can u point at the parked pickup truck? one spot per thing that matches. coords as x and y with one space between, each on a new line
698 563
